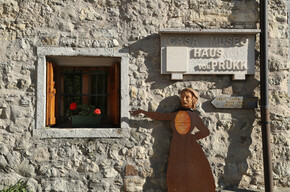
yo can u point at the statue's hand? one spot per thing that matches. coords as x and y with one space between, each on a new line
136 112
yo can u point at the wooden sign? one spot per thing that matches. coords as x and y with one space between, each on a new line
182 122
235 102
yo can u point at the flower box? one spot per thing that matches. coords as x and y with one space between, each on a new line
85 121
83 116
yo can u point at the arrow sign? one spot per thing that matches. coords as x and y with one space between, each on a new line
235 102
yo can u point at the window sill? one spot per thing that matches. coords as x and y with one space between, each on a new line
81 132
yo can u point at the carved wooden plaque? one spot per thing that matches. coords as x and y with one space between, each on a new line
182 122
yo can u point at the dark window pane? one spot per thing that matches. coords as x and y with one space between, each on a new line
72 86
99 87
84 87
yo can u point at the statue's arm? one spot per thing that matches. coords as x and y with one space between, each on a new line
203 130
154 115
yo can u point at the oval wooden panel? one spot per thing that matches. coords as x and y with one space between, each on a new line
182 122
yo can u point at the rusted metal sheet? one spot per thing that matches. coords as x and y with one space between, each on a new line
188 168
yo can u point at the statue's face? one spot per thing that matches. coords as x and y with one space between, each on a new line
187 100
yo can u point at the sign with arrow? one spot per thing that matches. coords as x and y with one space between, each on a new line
235 102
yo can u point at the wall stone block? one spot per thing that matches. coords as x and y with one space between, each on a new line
130 170
133 184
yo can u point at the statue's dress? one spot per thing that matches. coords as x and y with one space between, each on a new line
188 168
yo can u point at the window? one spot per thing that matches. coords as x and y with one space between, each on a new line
88 77
87 88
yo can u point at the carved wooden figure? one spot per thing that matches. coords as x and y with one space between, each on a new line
188 168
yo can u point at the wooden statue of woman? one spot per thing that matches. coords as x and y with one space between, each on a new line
188 168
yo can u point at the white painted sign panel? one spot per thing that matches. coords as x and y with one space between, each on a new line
176 54
235 102
219 52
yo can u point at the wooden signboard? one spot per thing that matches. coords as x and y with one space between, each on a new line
235 102
182 122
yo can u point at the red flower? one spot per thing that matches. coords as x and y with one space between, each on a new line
97 111
73 106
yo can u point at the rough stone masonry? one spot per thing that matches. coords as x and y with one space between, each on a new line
138 162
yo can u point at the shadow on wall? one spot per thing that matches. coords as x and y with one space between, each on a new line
238 150
162 134
239 133
149 49
146 67
239 140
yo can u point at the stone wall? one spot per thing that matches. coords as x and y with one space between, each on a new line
137 163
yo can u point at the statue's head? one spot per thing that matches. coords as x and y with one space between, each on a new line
189 98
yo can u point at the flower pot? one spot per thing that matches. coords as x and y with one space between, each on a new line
84 121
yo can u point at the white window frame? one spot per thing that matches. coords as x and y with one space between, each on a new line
42 131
